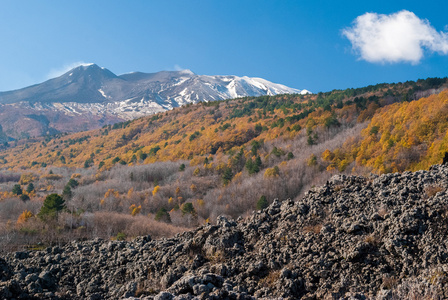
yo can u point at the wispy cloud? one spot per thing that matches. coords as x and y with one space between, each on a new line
398 37
64 69
178 68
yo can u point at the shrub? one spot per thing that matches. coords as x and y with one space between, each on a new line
121 236
72 183
27 178
30 187
53 204
227 175
24 217
155 190
88 163
277 152
262 203
24 197
163 215
187 208
17 190
153 151
51 176
271 172
433 189
134 209
312 160
67 192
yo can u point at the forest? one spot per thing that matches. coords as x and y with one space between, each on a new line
165 173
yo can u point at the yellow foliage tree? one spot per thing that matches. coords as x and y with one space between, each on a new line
312 160
272 172
402 136
26 178
197 171
327 155
24 217
111 192
135 209
155 190
130 192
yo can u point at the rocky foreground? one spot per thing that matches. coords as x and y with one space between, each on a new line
382 237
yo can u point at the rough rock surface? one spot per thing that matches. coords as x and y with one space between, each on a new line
353 238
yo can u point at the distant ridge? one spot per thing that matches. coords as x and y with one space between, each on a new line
90 96
90 83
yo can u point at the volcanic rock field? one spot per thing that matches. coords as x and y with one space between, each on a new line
376 237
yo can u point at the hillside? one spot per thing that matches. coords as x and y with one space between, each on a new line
188 166
380 237
213 127
399 137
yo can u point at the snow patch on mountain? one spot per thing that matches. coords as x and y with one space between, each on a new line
102 93
93 90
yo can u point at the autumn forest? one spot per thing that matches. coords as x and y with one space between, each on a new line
170 171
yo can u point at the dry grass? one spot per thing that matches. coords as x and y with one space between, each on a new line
338 187
216 256
144 289
105 225
432 189
110 223
270 279
313 228
389 282
372 239
416 289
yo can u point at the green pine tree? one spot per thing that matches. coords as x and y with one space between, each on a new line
227 176
17 190
187 208
163 215
262 203
53 204
30 187
67 192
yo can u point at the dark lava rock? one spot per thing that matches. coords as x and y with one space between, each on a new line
382 237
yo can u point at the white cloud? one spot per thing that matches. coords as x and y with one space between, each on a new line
398 37
64 69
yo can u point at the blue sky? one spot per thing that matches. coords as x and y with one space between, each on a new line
301 44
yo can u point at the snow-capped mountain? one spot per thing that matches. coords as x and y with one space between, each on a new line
89 96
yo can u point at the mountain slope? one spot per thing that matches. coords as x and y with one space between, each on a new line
80 84
402 136
214 127
89 96
93 84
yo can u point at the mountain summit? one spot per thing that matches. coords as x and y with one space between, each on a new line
90 83
90 96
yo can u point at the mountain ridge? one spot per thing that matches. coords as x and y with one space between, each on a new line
92 96
103 78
